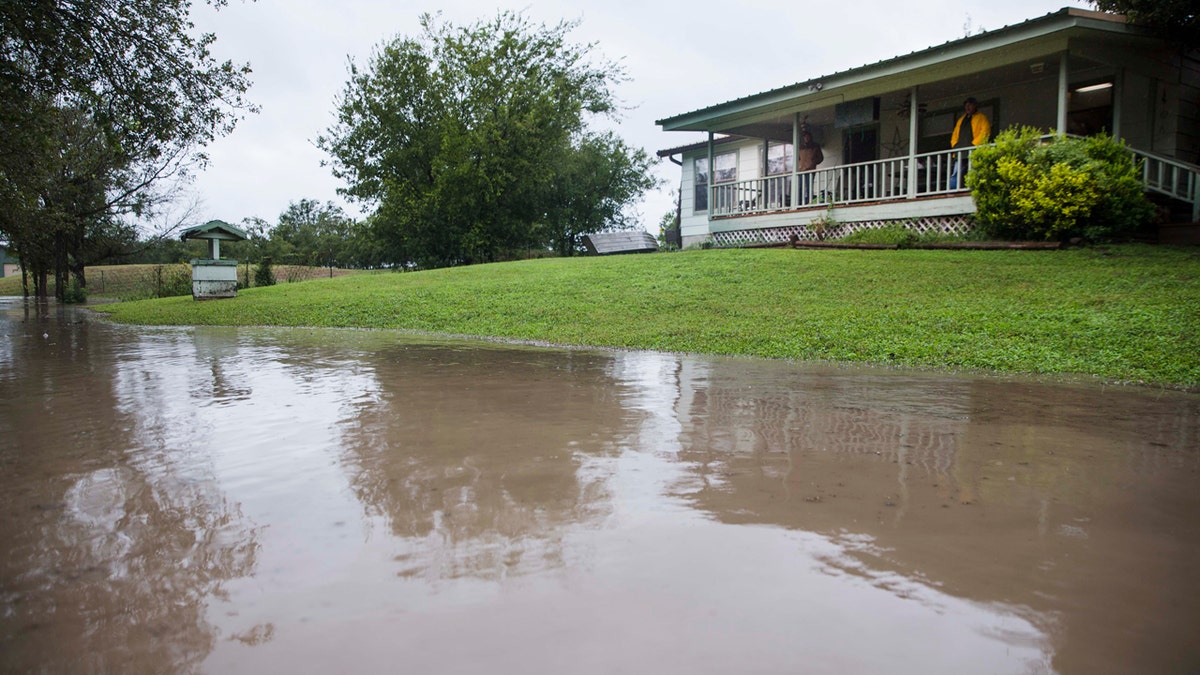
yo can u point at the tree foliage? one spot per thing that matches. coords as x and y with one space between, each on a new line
314 234
103 104
1025 188
472 143
1178 19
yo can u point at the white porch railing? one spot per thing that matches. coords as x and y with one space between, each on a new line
926 174
931 173
1175 179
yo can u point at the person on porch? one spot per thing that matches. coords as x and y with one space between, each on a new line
808 156
978 130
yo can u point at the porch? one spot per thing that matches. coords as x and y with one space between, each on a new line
926 191
928 174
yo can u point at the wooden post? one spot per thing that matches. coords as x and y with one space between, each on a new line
795 179
1063 101
712 194
913 128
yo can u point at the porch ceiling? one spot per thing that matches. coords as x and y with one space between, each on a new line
893 104
940 72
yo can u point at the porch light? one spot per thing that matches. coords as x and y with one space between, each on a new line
1094 87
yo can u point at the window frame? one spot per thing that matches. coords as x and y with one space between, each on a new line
700 191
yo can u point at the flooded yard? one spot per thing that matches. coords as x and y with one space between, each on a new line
286 500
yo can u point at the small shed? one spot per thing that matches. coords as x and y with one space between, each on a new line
629 241
9 265
214 277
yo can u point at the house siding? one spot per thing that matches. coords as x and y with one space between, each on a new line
1189 108
693 226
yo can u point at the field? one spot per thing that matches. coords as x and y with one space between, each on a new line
1123 314
138 282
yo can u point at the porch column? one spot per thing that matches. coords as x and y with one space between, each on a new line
1118 91
711 192
795 160
1062 93
913 124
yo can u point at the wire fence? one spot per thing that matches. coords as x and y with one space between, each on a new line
287 273
140 282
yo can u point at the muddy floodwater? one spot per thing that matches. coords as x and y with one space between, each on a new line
258 500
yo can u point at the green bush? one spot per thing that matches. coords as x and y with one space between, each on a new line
894 234
901 235
1028 188
263 276
75 294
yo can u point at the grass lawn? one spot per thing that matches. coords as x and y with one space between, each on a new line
1124 314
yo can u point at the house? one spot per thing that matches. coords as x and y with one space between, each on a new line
885 129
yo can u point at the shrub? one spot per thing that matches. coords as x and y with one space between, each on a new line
74 294
894 234
263 276
1026 188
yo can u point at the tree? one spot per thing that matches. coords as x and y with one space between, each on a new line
316 234
472 144
597 177
1179 19
104 104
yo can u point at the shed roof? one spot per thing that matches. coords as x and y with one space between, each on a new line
630 241
215 229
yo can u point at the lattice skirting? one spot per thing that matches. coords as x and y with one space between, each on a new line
942 224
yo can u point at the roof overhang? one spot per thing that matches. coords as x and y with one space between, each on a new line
1037 38
214 229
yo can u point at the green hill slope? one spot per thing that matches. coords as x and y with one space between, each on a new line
1127 313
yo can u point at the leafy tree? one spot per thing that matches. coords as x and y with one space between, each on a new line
472 143
596 179
316 234
104 104
1175 18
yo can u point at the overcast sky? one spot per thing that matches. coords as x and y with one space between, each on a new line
679 56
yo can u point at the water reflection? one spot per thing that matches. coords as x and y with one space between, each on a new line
114 539
1058 502
227 500
473 454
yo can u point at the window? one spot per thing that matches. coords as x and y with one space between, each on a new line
725 167
702 184
780 158
726 172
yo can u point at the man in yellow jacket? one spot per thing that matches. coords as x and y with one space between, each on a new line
979 130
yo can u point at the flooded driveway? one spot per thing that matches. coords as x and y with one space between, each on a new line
260 500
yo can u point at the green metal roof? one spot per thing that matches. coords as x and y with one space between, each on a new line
215 229
901 71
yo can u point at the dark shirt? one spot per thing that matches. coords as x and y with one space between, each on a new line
965 133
